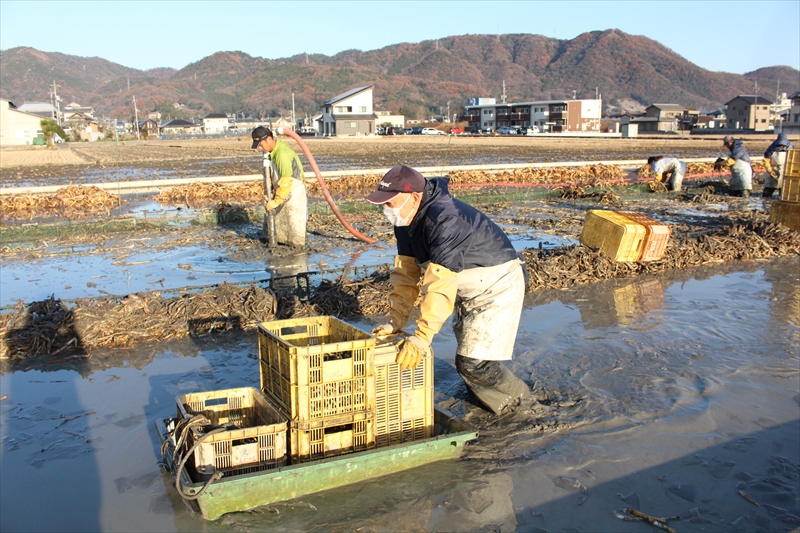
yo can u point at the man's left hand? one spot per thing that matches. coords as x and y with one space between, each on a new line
412 352
271 205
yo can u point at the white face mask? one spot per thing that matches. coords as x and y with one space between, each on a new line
392 214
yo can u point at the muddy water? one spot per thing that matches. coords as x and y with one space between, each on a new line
666 394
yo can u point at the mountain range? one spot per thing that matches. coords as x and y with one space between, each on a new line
414 79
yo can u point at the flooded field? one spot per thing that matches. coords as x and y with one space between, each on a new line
674 392
667 394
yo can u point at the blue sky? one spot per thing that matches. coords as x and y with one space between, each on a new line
153 34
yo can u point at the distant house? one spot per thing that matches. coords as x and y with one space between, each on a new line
748 112
215 123
180 127
77 108
17 127
349 113
40 109
792 124
386 118
661 117
148 127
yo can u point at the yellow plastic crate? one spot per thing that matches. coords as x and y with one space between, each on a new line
331 436
315 368
656 236
403 399
258 442
617 236
786 213
793 164
790 190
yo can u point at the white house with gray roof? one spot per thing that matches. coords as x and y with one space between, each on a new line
349 113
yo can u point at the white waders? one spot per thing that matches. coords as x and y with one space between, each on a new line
291 216
741 176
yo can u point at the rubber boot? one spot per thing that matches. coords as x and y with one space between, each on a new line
746 193
492 383
767 192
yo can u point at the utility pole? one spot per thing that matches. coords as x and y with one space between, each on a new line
136 117
294 124
503 96
448 110
57 103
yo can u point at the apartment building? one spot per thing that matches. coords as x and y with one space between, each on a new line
555 116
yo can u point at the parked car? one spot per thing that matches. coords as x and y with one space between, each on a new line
416 130
505 130
475 130
408 131
532 130
432 131
394 130
456 131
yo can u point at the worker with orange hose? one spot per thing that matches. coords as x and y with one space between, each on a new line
289 202
450 256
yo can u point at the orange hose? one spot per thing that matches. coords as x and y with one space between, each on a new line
328 197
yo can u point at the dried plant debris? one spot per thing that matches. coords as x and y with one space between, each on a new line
70 200
51 327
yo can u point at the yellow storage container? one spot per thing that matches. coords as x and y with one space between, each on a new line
656 236
318 367
790 191
616 235
403 398
257 438
786 213
331 436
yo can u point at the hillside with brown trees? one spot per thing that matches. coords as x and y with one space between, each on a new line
415 79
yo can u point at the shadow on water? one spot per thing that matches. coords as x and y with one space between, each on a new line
48 440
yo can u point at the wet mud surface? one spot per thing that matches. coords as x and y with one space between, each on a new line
671 391
655 394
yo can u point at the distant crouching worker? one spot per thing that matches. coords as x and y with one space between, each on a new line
775 163
738 161
289 202
670 170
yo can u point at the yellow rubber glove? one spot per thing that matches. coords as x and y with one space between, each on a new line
439 289
658 177
405 289
412 352
271 205
730 162
283 191
768 167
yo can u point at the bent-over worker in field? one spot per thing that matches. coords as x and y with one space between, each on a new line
289 202
452 256
739 163
775 163
670 170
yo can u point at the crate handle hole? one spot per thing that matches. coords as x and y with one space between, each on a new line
293 330
216 401
338 429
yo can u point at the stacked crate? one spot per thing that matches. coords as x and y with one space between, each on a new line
255 438
403 398
320 373
787 210
625 236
